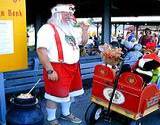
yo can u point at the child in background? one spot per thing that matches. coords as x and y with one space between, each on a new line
132 57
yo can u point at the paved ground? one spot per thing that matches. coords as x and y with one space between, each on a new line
82 102
78 108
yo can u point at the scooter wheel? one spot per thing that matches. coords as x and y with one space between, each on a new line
93 113
133 122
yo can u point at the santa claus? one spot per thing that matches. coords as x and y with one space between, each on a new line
58 51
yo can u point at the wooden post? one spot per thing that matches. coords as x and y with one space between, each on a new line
106 22
115 30
136 30
2 101
98 29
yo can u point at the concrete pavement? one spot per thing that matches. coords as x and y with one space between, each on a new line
82 102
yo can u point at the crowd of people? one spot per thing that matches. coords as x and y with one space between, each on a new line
145 37
141 55
91 47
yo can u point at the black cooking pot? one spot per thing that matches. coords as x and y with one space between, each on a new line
24 102
25 112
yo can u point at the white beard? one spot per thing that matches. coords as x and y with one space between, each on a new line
66 26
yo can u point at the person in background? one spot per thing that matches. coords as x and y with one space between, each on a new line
89 46
119 38
146 38
131 36
132 57
140 35
95 40
127 35
58 51
155 38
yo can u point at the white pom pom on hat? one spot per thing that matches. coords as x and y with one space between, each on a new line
143 61
148 73
70 8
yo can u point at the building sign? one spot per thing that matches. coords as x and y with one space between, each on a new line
13 35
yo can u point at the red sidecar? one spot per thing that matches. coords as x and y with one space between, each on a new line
131 99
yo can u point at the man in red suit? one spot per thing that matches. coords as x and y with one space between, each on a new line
58 51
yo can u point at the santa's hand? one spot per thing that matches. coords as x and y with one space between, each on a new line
53 76
84 26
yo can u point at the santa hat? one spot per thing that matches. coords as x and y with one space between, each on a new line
146 75
149 62
70 8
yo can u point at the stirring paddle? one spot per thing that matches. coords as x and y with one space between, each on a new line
34 86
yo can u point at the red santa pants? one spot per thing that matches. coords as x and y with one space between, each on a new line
69 82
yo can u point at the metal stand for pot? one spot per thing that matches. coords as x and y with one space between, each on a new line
2 101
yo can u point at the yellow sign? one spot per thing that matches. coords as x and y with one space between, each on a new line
13 35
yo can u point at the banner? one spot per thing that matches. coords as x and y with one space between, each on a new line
13 35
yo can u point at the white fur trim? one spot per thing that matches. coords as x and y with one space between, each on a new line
143 61
76 93
149 73
66 99
56 99
63 8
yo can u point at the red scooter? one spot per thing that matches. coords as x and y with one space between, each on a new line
124 94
